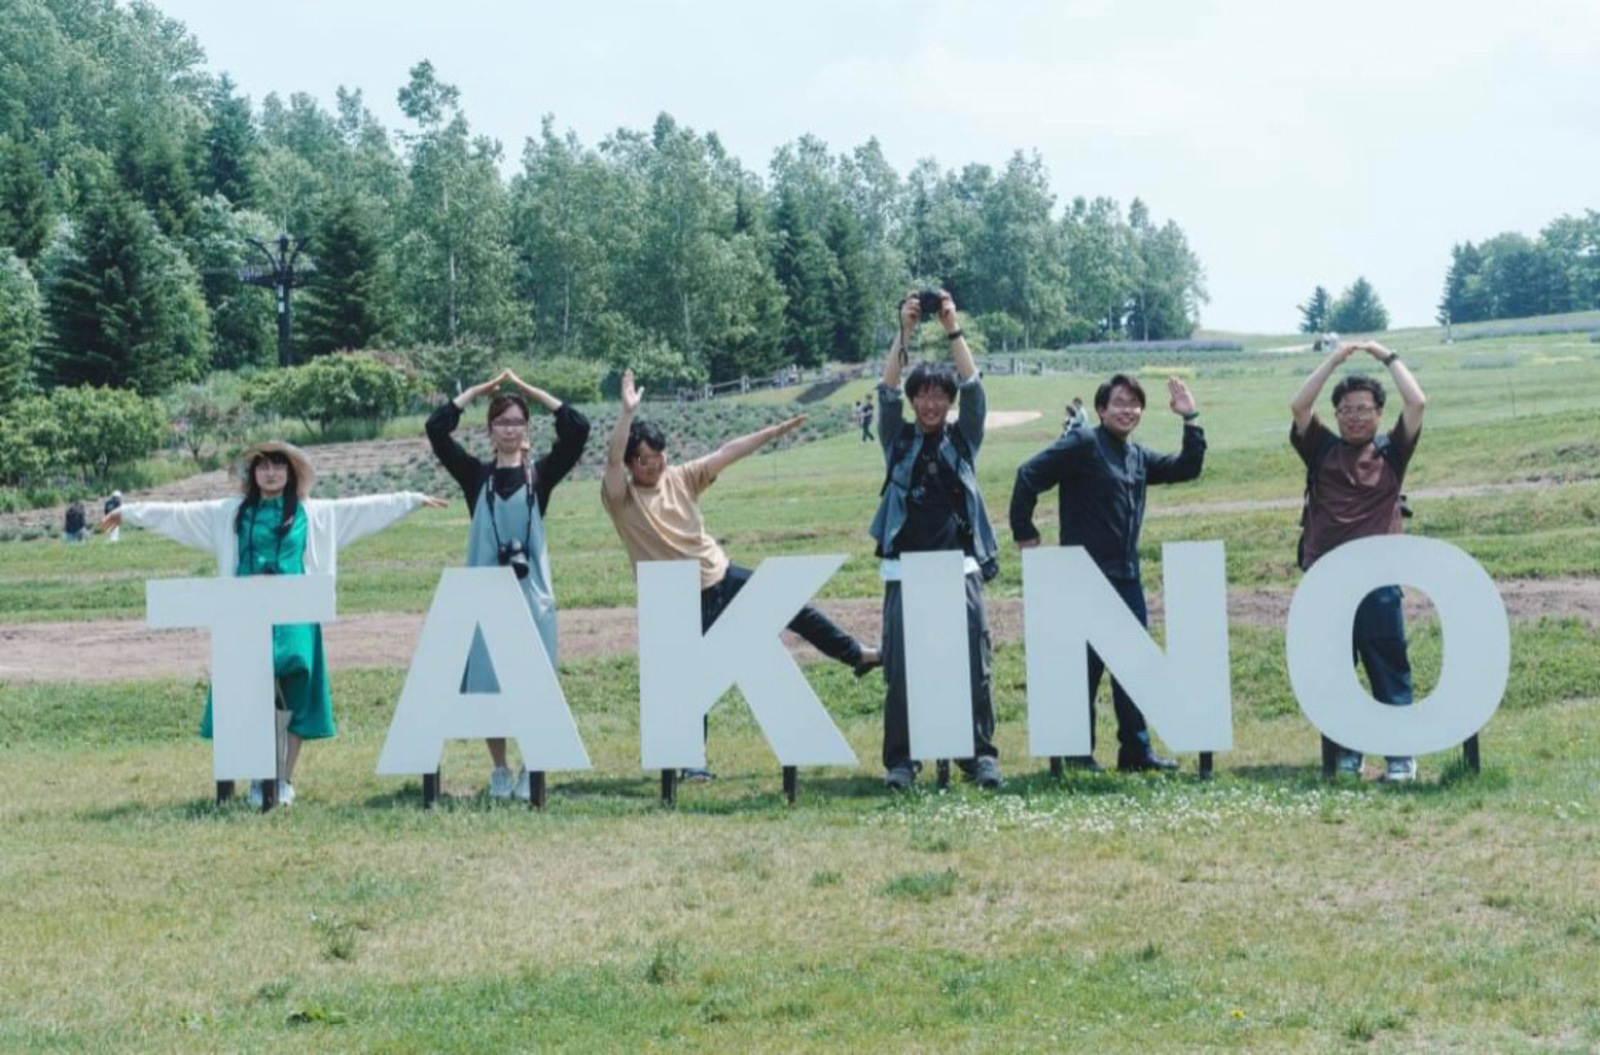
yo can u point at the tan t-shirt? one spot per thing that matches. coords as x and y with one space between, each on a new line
664 523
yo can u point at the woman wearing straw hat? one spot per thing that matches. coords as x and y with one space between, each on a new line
274 528
507 496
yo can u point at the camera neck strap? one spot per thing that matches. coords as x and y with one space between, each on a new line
250 543
528 477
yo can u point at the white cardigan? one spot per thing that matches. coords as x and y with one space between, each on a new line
330 524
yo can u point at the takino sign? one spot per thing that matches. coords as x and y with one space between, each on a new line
1185 689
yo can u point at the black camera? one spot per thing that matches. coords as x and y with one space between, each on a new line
929 302
515 557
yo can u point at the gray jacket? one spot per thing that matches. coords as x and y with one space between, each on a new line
891 514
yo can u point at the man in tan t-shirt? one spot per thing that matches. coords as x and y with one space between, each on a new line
1353 491
655 508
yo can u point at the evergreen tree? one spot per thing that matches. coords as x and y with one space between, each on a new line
1358 310
24 199
850 295
124 306
1316 312
21 325
347 302
804 269
230 146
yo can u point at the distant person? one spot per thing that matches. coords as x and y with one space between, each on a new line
507 497
75 524
1100 476
931 503
1353 483
1076 418
113 504
655 508
275 528
865 413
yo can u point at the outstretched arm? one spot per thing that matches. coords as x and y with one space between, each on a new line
748 444
533 392
910 314
615 480
1404 381
1305 400
960 353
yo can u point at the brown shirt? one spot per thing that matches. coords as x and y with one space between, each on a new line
1356 491
664 523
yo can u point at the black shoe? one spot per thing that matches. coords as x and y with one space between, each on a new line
1082 764
864 666
1144 761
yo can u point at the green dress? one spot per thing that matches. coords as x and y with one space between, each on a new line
298 661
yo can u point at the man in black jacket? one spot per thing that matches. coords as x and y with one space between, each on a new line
1101 478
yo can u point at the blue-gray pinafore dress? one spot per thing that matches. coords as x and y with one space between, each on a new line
495 522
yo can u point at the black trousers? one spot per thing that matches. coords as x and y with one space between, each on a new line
1133 735
896 724
809 623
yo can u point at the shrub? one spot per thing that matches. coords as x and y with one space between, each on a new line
79 433
449 369
569 380
333 389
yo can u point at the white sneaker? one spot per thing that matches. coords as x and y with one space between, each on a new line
1349 764
256 796
524 785
501 783
285 793
1401 770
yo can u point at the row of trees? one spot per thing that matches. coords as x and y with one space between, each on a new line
132 183
1513 276
1357 310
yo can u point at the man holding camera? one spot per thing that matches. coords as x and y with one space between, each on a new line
655 508
1353 483
1101 477
931 503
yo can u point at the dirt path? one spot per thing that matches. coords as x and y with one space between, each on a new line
127 650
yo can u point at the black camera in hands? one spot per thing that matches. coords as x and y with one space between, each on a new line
929 301
514 556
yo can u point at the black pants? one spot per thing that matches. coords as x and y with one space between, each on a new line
809 623
896 724
1133 736
1378 640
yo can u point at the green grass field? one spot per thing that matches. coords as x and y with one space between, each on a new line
1263 910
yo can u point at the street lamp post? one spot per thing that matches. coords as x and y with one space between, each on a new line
279 275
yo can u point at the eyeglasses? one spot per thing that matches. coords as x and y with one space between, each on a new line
1356 413
509 424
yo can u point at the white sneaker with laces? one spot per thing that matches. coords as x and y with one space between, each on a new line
1401 770
524 785
501 783
285 793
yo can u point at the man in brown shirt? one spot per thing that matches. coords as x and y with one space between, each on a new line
655 508
1353 491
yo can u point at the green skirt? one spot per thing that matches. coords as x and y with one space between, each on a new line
305 694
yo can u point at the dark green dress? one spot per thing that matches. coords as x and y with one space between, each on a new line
299 664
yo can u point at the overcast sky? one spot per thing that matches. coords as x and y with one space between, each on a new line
1296 144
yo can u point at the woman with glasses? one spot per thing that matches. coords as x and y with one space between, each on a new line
507 496
275 528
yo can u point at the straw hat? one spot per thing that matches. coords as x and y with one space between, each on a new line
305 476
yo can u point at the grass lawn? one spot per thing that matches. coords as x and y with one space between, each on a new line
1263 910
